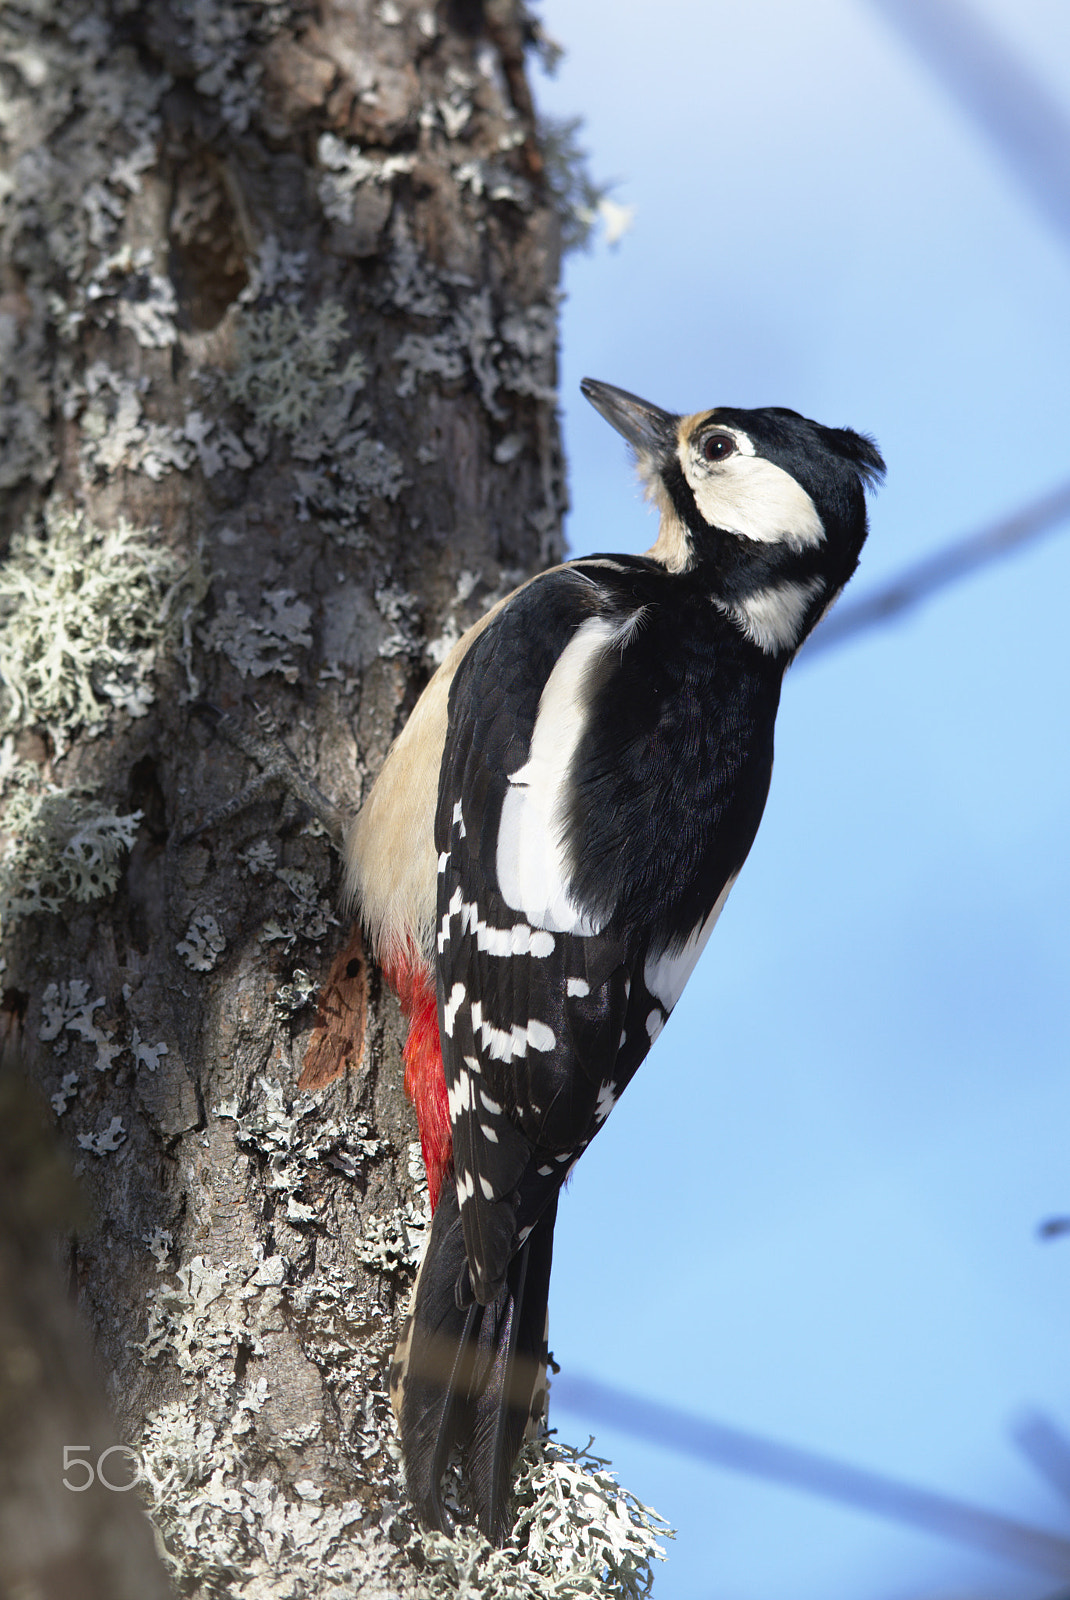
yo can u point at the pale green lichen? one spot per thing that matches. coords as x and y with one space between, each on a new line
67 1006
202 948
293 379
293 1138
229 1531
67 1009
395 1243
259 857
81 122
292 997
515 354
346 168
308 916
217 446
223 39
229 1535
84 613
274 274
160 1243
26 449
225 1528
66 1092
400 609
287 369
122 287
576 1532
264 643
147 1055
56 845
115 432
102 1144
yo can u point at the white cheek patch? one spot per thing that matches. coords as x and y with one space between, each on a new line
666 976
773 618
748 495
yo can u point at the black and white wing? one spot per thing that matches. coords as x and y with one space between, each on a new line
534 988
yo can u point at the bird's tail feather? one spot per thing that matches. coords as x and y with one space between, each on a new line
472 1375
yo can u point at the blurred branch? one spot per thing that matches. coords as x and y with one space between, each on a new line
815 1474
1016 111
918 582
1046 1448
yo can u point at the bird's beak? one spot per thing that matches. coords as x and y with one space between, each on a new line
649 430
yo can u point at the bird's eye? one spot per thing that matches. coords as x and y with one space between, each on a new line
719 446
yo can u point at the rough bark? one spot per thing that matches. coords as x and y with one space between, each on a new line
278 294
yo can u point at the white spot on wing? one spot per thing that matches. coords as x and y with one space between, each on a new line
607 1099
578 987
452 1006
459 1095
488 1192
540 1037
655 1022
508 1044
666 974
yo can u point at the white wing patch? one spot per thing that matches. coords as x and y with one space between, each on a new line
666 975
532 863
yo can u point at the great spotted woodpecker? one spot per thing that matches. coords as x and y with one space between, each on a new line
542 859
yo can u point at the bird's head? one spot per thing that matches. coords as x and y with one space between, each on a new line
766 503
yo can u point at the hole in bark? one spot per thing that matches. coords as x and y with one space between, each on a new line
466 17
143 880
147 796
15 1001
207 246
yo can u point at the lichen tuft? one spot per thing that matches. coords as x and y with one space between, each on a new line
84 612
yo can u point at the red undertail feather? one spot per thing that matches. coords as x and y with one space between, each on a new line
425 1080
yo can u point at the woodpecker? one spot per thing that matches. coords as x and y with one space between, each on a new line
544 855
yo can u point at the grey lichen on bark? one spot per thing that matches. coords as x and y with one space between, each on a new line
278 346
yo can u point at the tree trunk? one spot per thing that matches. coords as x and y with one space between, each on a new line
277 334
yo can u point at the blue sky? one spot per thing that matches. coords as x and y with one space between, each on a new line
814 1213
